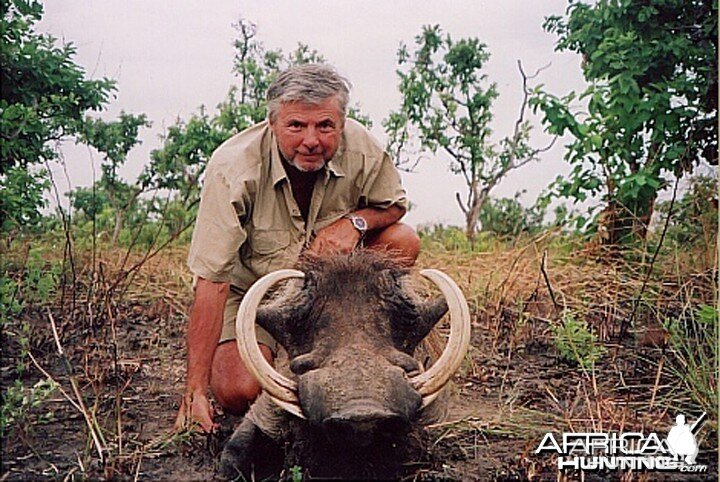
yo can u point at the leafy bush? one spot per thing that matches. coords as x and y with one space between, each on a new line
33 284
36 286
695 215
507 217
45 96
22 197
17 401
575 342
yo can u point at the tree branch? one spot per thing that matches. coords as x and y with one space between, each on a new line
459 201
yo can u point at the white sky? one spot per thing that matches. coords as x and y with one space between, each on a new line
170 57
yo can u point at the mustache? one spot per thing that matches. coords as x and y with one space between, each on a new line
310 152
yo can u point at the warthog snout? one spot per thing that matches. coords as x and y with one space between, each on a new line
356 386
363 422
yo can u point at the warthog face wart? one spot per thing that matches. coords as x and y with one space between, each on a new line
350 330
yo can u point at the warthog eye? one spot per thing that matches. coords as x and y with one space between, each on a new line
404 361
304 363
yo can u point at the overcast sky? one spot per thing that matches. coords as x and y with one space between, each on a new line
170 57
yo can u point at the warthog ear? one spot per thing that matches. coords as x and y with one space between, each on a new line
430 312
274 320
411 319
284 317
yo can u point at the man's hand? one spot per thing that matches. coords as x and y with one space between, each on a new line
195 408
340 237
203 334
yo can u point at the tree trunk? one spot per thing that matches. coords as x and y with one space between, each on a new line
473 214
119 220
470 227
618 224
643 215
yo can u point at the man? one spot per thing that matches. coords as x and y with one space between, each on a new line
307 179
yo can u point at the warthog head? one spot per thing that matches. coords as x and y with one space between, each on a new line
357 395
350 330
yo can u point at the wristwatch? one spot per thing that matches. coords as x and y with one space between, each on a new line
358 223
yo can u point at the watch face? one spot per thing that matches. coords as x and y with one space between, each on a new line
360 223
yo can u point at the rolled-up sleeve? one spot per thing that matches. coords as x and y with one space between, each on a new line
218 232
383 187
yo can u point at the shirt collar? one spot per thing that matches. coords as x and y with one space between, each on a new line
277 171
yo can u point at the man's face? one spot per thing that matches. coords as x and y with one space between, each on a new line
308 135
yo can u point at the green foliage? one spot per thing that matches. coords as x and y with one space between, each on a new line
17 401
453 238
296 473
113 140
34 285
21 197
575 342
45 96
651 106
41 279
10 305
507 217
447 100
694 219
187 147
89 201
693 341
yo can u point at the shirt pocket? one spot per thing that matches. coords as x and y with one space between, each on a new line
269 250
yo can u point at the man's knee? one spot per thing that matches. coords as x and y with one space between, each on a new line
232 385
399 239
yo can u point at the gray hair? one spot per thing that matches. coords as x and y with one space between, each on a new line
310 83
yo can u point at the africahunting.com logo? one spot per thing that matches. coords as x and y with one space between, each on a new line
599 451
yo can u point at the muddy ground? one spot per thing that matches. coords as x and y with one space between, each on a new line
513 389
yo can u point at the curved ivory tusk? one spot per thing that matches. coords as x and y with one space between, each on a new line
429 383
428 399
281 389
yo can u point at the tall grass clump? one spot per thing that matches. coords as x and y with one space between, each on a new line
693 344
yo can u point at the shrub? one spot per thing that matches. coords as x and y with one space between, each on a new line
507 217
575 342
695 215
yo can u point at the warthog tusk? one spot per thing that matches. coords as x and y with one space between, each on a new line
281 389
429 383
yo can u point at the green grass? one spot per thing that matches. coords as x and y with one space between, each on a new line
693 347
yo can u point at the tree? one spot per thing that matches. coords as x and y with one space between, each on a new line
508 217
447 101
45 97
651 104
114 140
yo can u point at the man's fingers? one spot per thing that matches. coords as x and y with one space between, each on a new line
195 412
205 420
180 420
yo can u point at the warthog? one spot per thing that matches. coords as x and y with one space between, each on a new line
356 400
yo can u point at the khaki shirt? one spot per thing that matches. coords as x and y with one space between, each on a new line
248 222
